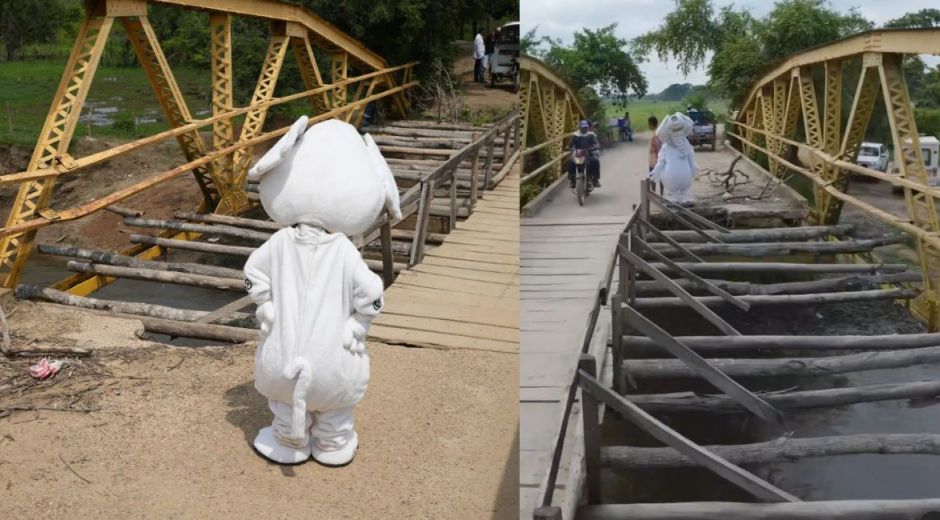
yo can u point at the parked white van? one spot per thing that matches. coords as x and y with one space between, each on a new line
874 156
930 153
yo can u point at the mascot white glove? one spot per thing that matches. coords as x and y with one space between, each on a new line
265 315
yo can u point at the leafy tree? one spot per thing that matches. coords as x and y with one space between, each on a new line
675 92
598 59
744 47
925 19
23 22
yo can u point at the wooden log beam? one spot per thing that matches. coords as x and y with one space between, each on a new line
738 236
153 275
785 299
763 249
837 284
818 366
912 509
734 474
191 245
625 458
105 257
205 247
699 365
175 225
718 344
801 400
783 267
250 223
32 292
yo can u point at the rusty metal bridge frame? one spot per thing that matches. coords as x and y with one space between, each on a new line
765 130
220 168
550 111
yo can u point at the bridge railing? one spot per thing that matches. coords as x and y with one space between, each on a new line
220 168
765 131
550 113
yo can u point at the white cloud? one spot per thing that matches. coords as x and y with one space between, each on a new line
560 19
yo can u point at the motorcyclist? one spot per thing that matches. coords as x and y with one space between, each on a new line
585 139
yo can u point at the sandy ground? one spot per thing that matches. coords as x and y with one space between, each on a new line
170 431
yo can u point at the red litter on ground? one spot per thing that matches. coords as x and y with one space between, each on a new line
45 369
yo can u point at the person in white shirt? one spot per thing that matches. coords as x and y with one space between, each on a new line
479 51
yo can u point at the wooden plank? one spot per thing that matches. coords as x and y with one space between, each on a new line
225 310
736 475
910 509
681 293
694 278
702 367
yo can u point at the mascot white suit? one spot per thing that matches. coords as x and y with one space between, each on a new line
315 295
675 165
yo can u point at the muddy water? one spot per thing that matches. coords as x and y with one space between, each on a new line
44 271
844 477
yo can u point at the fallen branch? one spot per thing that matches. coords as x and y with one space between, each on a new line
72 470
152 275
198 228
913 509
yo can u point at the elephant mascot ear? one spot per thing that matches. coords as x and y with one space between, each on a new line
279 151
384 174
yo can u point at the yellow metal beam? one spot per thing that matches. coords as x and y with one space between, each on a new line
322 32
168 94
54 140
254 121
310 73
222 99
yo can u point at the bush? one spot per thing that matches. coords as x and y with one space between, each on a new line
928 121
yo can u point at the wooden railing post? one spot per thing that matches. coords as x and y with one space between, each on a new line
452 225
644 206
592 433
488 169
616 343
475 169
421 225
388 260
506 143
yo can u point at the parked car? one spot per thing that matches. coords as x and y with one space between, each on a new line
874 156
704 129
930 153
506 55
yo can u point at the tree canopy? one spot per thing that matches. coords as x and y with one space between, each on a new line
25 22
736 46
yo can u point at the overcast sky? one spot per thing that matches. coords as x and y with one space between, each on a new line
561 18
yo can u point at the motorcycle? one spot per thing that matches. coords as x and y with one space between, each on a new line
583 185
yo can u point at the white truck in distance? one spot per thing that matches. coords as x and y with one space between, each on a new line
874 156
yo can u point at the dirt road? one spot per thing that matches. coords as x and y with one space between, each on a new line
171 436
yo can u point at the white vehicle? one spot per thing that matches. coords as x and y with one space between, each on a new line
930 153
874 156
504 62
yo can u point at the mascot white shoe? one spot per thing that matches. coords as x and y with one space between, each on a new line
675 165
315 295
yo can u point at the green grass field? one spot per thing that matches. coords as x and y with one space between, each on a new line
640 110
118 97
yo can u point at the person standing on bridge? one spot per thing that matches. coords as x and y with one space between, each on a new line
655 145
479 51
675 163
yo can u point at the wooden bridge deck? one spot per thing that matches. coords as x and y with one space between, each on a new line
465 293
562 263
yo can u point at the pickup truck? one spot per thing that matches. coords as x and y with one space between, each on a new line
704 129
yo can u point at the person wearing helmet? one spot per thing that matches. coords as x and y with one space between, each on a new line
585 139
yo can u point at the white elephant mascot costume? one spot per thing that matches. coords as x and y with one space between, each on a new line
315 295
675 166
